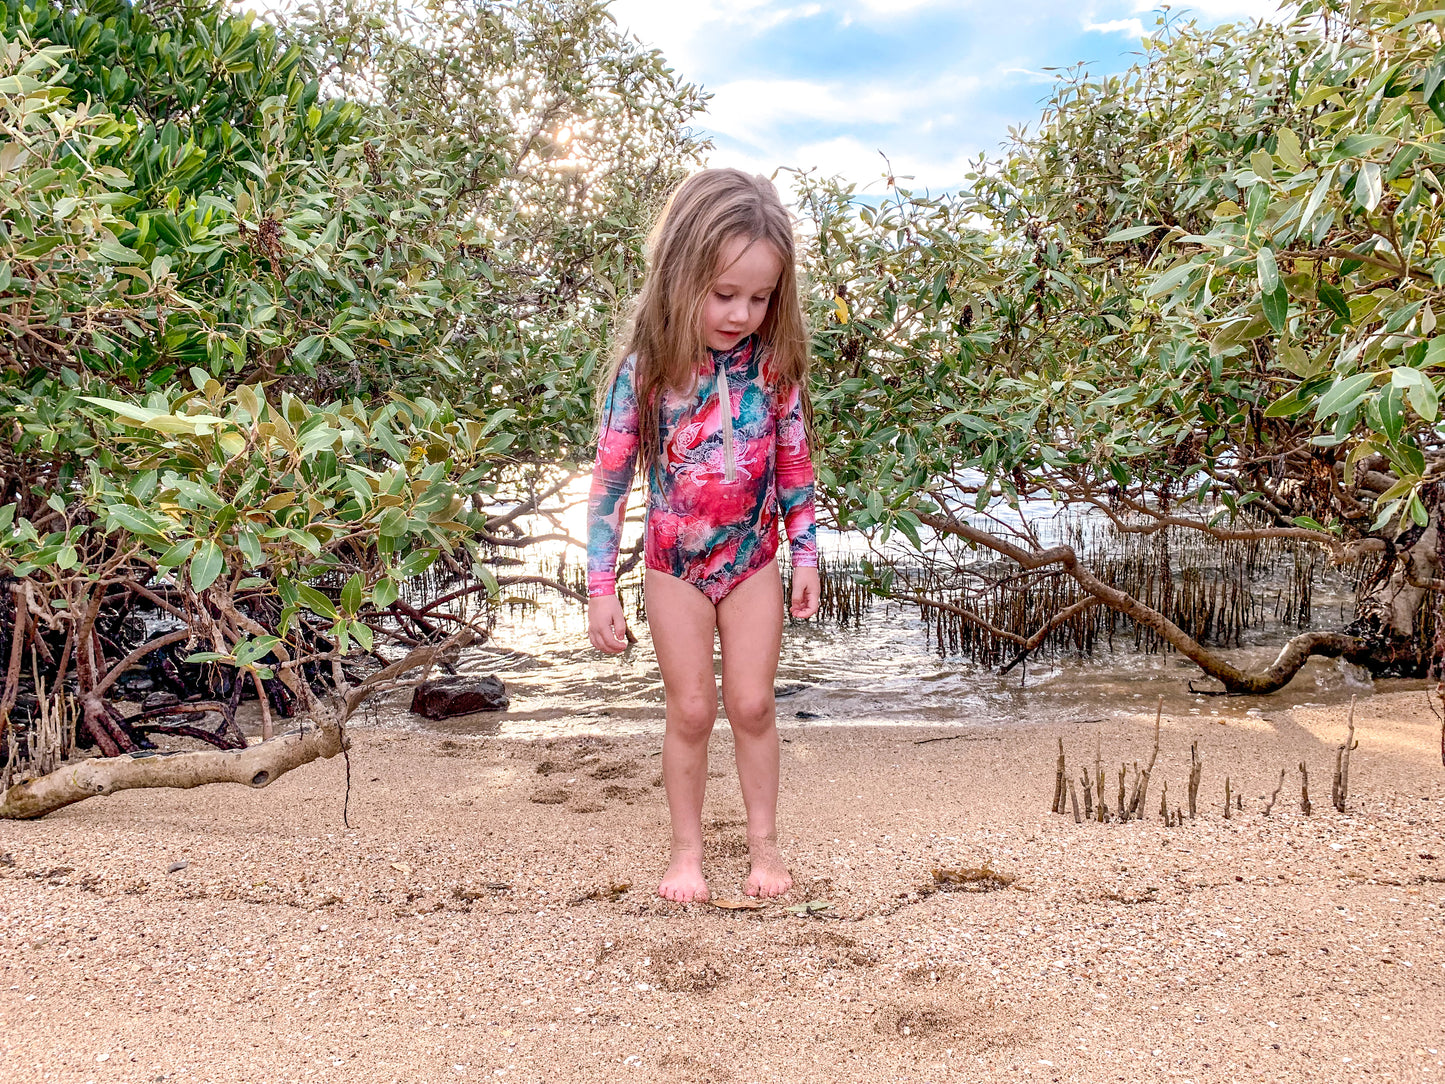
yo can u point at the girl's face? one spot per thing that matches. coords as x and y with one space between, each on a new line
737 301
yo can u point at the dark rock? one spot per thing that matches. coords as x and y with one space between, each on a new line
445 697
135 681
806 715
159 700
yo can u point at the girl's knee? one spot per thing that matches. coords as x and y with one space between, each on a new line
691 718
751 714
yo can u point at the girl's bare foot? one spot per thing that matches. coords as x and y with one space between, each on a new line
683 882
769 875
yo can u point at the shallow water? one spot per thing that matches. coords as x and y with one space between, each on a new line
884 673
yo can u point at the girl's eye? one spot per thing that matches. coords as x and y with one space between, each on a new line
723 297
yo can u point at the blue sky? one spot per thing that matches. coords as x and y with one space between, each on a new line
931 83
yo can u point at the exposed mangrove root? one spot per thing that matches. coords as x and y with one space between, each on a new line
1291 658
1340 786
1058 804
1196 772
1275 796
255 766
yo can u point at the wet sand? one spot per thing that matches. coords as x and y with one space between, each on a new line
490 915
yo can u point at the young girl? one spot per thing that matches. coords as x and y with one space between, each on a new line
710 392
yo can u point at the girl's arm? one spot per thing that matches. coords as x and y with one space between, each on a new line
794 474
611 481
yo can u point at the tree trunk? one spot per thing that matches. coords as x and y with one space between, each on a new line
255 766
1392 614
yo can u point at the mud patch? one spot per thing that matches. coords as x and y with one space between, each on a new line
554 796
916 1022
616 793
1131 898
726 847
984 1024
931 974
835 949
693 1070
681 967
620 770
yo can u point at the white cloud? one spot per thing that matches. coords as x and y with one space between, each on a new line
1133 27
748 108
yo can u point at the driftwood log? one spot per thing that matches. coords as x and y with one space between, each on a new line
255 766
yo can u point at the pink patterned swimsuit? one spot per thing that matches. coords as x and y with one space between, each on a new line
723 477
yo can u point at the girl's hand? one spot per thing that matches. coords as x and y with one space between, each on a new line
807 590
606 627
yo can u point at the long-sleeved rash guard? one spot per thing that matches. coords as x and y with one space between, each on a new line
723 476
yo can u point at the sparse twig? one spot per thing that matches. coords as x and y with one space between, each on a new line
1058 803
1275 796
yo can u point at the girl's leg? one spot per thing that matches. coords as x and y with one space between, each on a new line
750 625
681 620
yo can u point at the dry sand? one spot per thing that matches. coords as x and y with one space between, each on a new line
473 923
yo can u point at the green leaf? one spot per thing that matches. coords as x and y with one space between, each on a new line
1344 395
177 554
1425 399
363 634
207 564
1369 186
384 593
1268 270
351 594
1130 234
1335 299
1276 307
1287 407
135 520
125 410
1355 146
316 602
1287 147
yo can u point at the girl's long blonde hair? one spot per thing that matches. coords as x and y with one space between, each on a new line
706 211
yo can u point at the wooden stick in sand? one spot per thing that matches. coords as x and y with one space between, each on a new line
1340 785
1227 802
1275 796
1196 770
1143 783
1099 775
1058 806
1304 790
1074 803
1088 786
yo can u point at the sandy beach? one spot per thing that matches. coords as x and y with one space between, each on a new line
491 915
